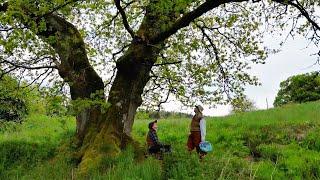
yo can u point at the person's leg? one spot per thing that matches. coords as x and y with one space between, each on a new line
190 144
197 140
154 149
202 154
167 148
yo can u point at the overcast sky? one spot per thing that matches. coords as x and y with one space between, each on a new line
294 58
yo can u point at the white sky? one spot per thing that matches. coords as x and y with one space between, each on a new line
294 58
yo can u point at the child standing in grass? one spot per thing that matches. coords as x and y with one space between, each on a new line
197 131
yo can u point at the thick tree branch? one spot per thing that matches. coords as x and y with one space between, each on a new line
59 7
187 18
305 14
124 18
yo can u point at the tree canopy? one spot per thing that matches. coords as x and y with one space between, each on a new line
204 61
242 104
298 89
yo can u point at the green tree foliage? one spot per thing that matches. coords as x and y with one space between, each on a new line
215 46
242 104
55 105
298 89
12 100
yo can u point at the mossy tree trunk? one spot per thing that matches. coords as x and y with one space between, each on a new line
101 133
112 132
104 133
75 69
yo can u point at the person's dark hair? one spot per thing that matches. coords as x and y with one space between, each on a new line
151 124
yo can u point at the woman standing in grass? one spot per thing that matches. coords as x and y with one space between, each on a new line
197 131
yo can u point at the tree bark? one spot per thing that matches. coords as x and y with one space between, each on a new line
101 133
133 74
75 69
112 131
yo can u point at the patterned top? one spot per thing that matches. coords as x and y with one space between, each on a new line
152 138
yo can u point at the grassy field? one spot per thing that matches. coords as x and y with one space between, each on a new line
280 143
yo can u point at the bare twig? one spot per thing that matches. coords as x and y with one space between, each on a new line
168 63
216 52
124 18
118 52
27 67
111 78
38 77
7 72
164 101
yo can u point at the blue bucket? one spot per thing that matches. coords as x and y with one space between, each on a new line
205 146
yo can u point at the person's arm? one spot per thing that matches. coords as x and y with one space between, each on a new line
203 129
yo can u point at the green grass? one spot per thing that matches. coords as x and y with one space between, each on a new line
27 145
268 144
280 143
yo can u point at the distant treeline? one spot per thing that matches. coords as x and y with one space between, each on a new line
142 114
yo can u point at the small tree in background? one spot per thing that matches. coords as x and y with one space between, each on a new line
12 100
299 89
55 102
242 104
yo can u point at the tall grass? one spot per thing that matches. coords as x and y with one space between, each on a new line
31 151
27 145
276 143
280 143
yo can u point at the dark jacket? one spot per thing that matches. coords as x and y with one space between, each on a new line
152 138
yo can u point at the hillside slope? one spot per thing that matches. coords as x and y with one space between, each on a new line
280 143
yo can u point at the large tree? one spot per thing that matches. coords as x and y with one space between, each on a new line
130 52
